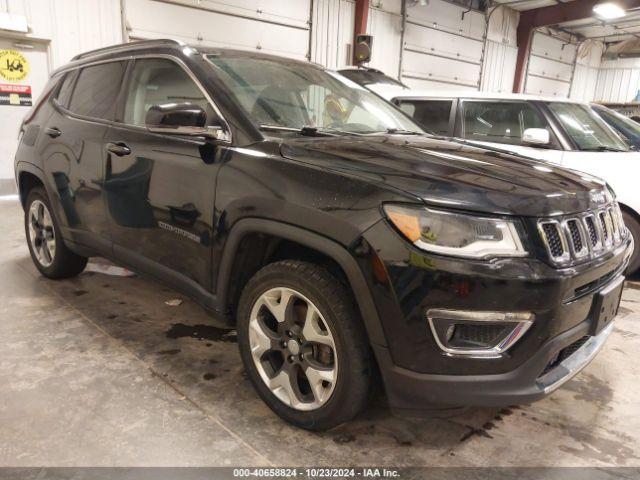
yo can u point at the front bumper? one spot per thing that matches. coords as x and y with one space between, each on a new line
409 391
419 376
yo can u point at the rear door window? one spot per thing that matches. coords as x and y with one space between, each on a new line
431 115
96 92
499 122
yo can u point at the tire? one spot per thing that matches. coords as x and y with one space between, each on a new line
334 319
48 251
634 227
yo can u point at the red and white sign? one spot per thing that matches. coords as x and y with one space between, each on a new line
24 89
17 95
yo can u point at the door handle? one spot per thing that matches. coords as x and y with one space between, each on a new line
53 132
118 148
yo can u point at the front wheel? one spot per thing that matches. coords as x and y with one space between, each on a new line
303 345
634 227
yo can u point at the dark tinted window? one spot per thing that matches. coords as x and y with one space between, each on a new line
96 90
499 122
64 93
432 115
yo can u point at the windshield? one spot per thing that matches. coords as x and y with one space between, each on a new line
624 125
279 94
586 128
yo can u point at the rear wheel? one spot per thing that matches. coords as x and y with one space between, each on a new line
48 251
303 345
634 227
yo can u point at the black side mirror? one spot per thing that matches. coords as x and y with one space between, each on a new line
182 119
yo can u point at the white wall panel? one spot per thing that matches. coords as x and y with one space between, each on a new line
273 26
69 26
585 78
332 32
385 24
617 85
499 61
499 67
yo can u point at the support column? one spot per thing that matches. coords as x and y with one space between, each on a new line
360 24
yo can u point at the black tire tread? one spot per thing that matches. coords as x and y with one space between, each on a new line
634 227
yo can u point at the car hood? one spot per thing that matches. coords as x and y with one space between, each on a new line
452 174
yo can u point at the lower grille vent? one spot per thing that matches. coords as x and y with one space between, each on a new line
565 353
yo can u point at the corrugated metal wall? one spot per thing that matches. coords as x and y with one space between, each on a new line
618 80
585 77
69 26
499 63
385 24
332 32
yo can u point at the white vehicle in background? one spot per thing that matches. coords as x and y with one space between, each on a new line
565 132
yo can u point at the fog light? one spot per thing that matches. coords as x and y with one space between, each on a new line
477 334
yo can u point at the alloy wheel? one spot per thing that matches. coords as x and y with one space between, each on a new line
42 235
293 349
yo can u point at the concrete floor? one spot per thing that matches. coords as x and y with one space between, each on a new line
99 371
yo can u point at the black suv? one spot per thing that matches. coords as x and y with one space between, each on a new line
341 242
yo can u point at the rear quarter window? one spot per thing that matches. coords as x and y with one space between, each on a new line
96 90
66 87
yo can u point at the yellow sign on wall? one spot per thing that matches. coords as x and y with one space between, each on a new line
13 65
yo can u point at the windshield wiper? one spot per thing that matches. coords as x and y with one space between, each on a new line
306 131
603 148
400 131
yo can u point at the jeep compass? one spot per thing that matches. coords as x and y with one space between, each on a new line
345 245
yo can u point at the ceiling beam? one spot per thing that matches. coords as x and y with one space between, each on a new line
530 20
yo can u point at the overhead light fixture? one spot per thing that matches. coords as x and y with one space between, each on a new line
609 11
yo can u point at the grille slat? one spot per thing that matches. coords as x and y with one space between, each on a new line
593 231
576 237
582 236
554 240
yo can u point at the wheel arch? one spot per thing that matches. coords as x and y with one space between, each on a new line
626 208
315 242
28 177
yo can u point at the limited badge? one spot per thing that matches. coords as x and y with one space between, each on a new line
13 65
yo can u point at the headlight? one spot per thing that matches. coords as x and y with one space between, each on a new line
458 234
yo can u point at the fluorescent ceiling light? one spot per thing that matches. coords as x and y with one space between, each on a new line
608 11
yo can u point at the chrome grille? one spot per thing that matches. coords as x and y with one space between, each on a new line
582 236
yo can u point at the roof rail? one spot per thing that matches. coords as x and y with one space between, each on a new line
129 45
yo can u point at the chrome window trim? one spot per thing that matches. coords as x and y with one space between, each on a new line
227 130
522 321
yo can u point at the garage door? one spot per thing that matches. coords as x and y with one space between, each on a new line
442 46
550 66
280 27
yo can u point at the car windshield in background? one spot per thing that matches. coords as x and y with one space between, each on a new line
625 126
586 128
278 94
